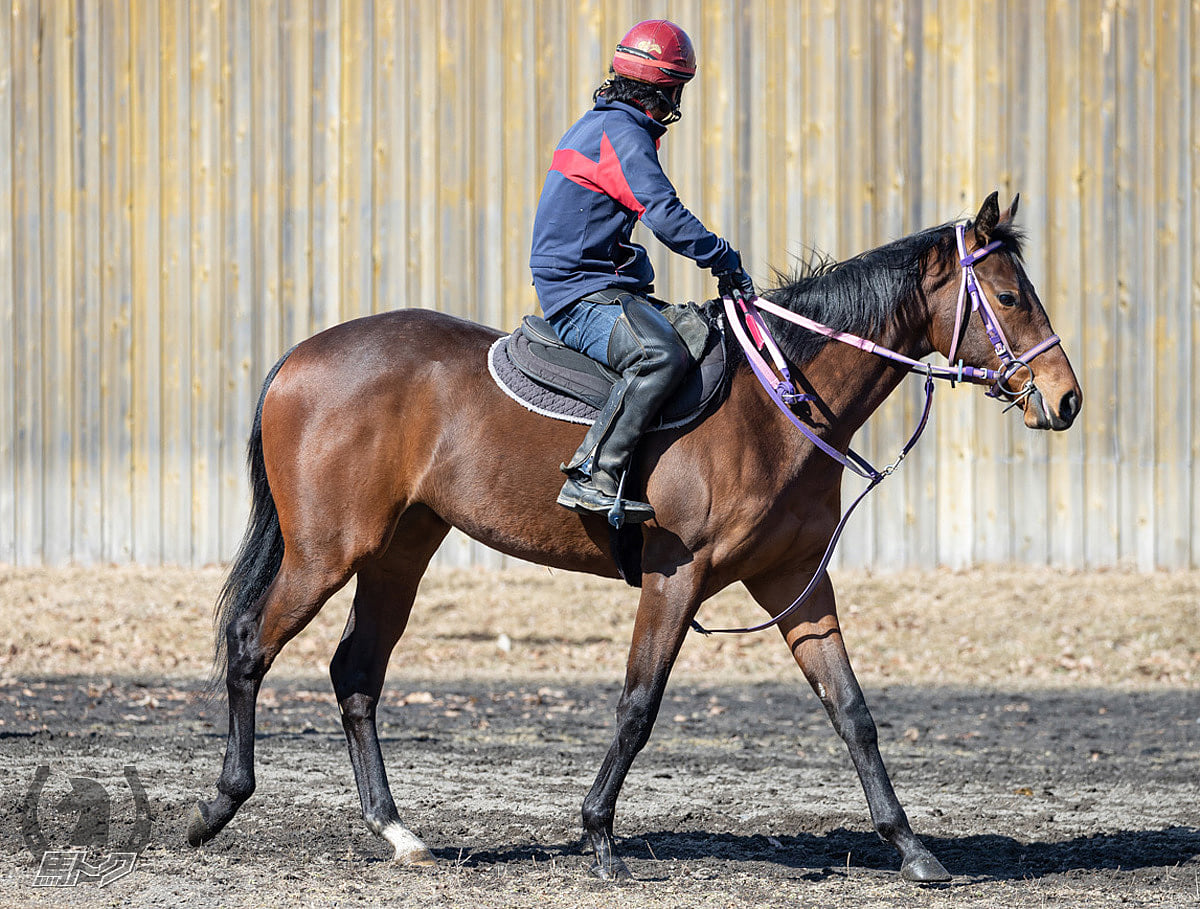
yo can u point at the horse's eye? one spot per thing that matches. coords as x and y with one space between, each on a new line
1007 299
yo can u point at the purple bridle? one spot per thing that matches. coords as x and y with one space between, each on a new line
1010 365
755 338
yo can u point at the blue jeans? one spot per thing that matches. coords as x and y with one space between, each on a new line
586 327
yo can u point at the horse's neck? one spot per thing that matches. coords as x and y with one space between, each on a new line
849 384
852 384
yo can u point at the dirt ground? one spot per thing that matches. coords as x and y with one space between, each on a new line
1044 738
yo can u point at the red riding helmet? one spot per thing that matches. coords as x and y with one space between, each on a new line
656 51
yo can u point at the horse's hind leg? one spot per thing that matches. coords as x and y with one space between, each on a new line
382 604
815 639
254 638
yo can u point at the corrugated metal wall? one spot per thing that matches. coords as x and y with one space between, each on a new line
188 188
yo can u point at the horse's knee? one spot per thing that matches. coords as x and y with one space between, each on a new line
357 707
855 725
354 681
635 718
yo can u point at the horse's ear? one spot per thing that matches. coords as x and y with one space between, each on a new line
988 217
1011 214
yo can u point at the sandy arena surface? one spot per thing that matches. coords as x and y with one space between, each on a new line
1045 742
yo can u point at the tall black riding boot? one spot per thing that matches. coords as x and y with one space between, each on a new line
652 360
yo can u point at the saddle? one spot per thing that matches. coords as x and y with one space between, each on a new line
534 368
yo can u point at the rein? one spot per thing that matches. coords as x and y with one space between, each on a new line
755 338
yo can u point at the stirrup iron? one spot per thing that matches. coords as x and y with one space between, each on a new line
616 514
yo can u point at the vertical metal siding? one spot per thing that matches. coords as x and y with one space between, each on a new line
188 189
9 448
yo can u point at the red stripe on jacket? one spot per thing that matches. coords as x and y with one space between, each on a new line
603 176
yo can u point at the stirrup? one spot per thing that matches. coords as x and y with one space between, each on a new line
616 514
581 496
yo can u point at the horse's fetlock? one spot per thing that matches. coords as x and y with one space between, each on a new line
893 827
237 789
596 818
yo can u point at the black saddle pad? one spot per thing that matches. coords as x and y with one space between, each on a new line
538 371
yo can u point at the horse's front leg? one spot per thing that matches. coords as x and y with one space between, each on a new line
815 639
665 610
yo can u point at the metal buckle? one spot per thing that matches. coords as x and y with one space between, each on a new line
999 389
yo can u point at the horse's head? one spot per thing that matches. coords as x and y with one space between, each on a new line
992 318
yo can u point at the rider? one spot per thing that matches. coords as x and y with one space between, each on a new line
593 283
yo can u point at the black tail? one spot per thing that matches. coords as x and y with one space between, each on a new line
261 553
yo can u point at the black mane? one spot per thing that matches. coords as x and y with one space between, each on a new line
863 294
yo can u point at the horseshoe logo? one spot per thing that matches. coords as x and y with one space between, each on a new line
91 800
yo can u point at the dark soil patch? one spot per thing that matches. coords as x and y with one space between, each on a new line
744 797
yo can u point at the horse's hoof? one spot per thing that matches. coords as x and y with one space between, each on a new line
417 858
924 869
198 832
616 870
409 850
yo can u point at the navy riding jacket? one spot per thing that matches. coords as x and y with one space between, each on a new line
604 178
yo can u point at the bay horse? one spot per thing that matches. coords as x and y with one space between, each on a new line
373 438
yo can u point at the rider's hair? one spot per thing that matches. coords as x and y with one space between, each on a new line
641 94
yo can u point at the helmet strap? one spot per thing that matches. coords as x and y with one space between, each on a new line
670 103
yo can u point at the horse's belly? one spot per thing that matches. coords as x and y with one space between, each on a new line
546 539
501 491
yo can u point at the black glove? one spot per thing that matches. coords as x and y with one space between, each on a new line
735 282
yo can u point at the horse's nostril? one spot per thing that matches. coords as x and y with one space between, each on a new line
1068 407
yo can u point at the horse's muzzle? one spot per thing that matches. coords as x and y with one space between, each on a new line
1038 414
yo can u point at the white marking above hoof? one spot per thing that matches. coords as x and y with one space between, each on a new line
409 849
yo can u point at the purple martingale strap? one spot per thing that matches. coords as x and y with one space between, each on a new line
851 460
778 389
